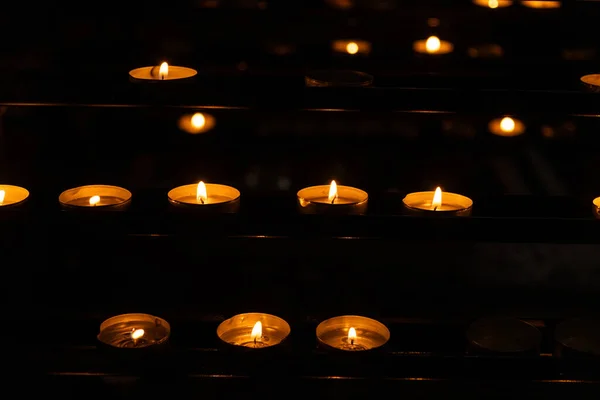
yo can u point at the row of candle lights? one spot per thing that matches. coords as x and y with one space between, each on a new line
250 330
322 199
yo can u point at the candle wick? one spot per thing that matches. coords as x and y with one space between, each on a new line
202 200
333 200
254 342
352 342
435 208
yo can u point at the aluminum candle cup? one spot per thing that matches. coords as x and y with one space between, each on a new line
332 199
161 73
134 332
578 338
437 203
352 333
12 196
96 197
253 331
503 336
206 197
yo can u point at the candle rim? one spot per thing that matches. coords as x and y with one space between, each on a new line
64 198
172 68
445 195
23 194
302 199
193 186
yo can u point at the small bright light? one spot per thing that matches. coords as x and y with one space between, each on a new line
163 72
2 195
507 124
333 193
433 44
493 3
198 121
201 194
94 200
352 48
136 334
437 198
256 331
351 335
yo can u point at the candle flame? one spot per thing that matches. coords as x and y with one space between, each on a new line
163 72
94 200
256 331
493 3
433 44
198 120
437 199
507 124
352 48
201 194
2 195
137 333
351 335
333 192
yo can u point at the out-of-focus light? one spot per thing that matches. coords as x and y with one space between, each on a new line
493 4
488 50
540 4
351 47
196 123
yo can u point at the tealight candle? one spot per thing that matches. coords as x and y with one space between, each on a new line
352 333
540 4
206 196
438 203
433 45
351 47
596 207
253 330
506 127
591 81
164 72
134 331
196 123
503 335
493 3
334 199
11 196
100 197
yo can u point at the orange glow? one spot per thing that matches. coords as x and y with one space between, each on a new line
256 331
507 124
352 48
433 44
351 335
94 200
493 4
437 199
201 194
541 4
333 193
198 121
163 72
2 195
137 333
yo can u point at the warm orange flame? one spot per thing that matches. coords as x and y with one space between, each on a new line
333 193
437 198
136 334
433 44
351 335
94 200
163 72
198 121
352 48
2 195
493 3
507 124
256 331
201 194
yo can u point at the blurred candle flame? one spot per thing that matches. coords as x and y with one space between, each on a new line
507 124
2 195
198 120
94 200
352 48
432 44
137 333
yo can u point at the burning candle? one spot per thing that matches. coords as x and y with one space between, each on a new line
438 203
134 331
352 333
591 81
351 47
100 197
493 4
196 123
433 45
325 199
253 330
506 127
540 4
11 196
164 72
206 196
